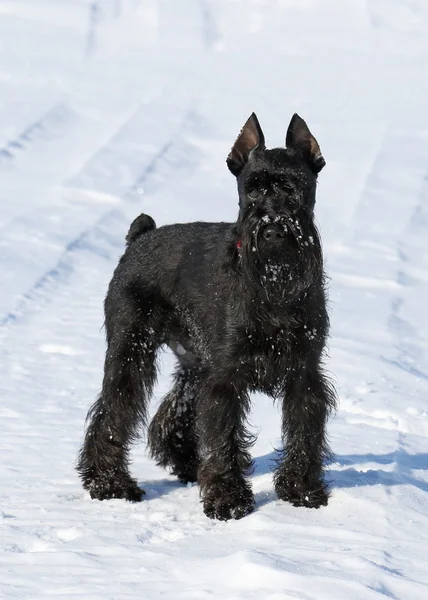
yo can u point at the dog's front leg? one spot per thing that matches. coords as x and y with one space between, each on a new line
223 444
308 400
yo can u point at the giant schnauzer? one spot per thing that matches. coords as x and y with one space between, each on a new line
243 307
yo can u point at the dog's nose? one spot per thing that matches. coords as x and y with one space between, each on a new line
274 233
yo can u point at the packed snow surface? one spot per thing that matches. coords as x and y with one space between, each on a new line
113 107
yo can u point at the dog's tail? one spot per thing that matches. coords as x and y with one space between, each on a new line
142 224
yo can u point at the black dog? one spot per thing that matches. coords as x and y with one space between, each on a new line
243 307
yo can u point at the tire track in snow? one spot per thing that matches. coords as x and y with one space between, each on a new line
408 339
92 238
173 155
389 228
117 166
380 213
99 12
176 153
410 244
93 22
389 231
46 127
210 33
378 230
198 28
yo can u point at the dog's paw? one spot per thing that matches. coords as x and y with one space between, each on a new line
224 503
301 496
107 488
186 473
186 477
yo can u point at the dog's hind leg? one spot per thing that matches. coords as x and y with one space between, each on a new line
120 411
171 435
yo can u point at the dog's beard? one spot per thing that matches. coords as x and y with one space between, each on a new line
285 269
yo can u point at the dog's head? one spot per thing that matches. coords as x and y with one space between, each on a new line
277 197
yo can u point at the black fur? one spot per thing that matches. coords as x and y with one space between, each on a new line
140 225
243 307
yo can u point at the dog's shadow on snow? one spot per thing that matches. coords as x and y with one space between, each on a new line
393 468
356 470
346 471
156 488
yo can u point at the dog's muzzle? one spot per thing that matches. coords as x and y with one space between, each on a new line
273 230
274 233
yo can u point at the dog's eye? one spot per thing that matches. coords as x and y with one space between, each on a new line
282 187
256 194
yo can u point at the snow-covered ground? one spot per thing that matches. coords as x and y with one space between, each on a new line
111 107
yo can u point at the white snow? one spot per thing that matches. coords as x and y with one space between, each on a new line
112 107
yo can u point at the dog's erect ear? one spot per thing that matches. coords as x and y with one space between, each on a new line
251 137
300 138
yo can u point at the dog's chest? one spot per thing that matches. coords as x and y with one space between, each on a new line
265 357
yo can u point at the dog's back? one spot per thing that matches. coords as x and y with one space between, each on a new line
180 260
